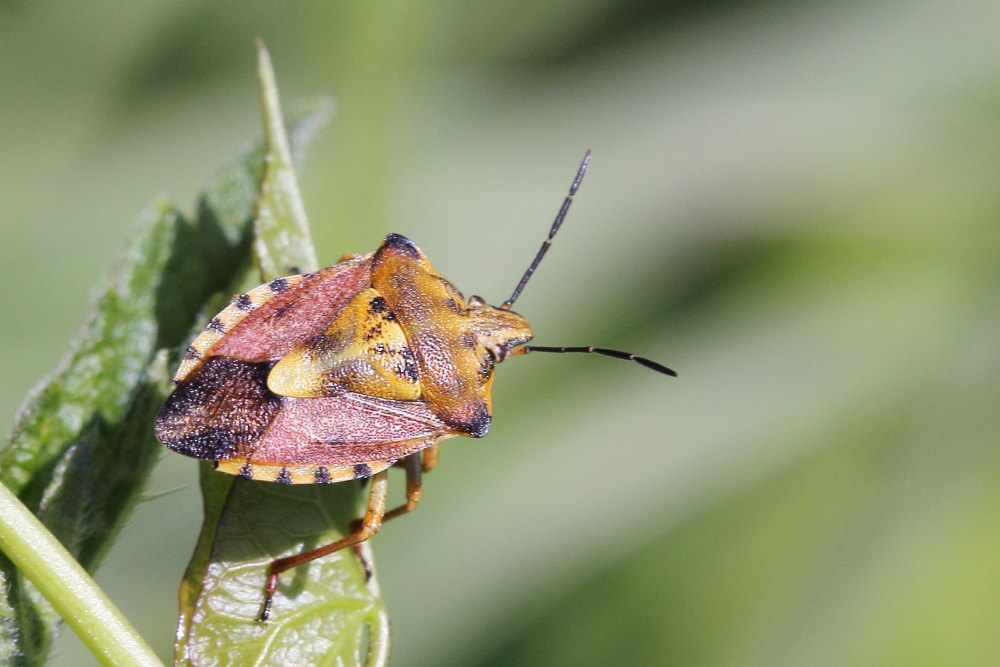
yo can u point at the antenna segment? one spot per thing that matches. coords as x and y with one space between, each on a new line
556 224
617 354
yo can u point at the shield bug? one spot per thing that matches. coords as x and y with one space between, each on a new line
345 372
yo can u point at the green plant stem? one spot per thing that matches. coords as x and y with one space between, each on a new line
70 590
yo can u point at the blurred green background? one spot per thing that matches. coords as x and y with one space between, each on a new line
795 205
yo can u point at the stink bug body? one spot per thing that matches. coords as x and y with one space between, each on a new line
342 373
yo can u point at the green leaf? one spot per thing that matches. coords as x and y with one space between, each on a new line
67 586
84 433
326 612
82 444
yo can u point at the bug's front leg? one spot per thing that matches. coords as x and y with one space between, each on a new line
430 458
414 486
369 526
414 491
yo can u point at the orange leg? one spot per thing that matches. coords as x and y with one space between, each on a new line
414 487
430 458
414 491
369 526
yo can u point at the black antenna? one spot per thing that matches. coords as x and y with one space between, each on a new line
552 232
617 354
